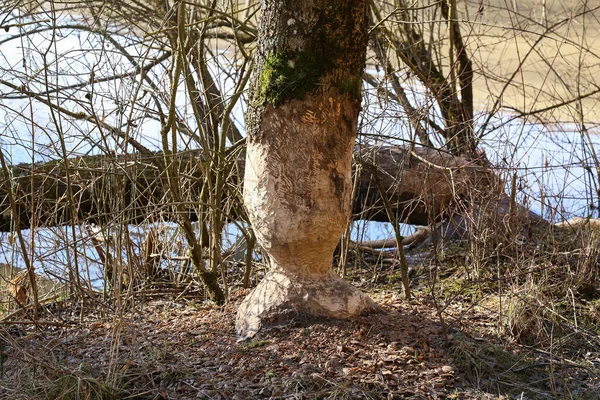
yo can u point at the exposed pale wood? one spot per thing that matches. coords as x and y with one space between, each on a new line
580 224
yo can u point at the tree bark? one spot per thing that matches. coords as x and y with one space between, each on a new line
302 123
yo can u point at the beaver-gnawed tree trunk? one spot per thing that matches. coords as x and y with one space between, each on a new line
301 125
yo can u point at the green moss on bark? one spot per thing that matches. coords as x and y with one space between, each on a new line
291 75
321 53
352 86
288 75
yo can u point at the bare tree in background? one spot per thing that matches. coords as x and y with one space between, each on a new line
108 73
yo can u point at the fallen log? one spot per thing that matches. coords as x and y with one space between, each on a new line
422 185
576 224
421 234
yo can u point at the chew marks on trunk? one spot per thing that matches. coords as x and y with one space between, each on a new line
302 122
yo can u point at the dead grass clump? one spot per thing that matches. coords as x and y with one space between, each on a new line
550 296
527 318
490 366
36 379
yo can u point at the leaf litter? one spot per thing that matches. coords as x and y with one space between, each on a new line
186 349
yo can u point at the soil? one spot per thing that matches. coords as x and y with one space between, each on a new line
167 348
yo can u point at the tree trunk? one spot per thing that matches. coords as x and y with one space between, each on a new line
302 122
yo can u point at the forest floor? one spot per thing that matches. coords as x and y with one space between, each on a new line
167 348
